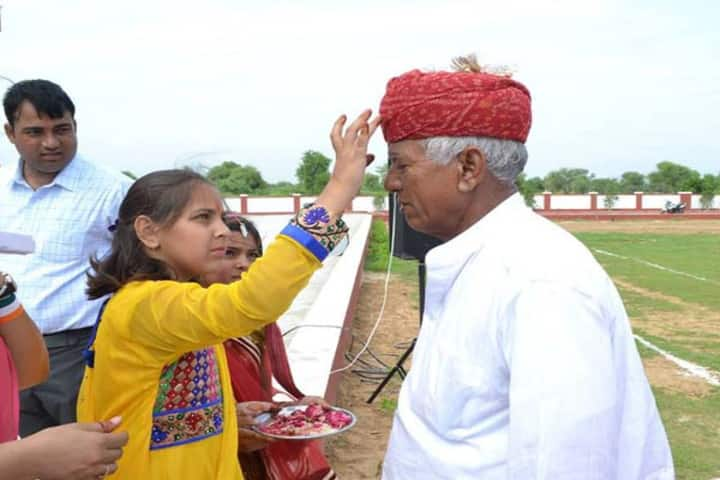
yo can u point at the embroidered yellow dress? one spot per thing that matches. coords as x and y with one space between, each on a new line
158 362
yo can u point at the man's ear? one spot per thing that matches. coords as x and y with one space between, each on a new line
147 232
472 168
10 133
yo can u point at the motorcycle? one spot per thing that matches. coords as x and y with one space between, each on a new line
671 207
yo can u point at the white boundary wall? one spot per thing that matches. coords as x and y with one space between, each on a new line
570 202
366 203
270 204
316 317
539 202
658 201
286 204
696 201
623 202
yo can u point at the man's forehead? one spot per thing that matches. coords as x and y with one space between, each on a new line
27 113
406 149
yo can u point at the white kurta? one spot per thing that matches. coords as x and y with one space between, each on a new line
525 366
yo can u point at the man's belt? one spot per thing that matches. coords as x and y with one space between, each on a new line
67 337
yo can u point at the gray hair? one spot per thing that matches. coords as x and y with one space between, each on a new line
505 158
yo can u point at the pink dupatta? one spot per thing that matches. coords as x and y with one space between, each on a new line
9 402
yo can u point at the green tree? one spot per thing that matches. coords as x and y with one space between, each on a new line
313 172
631 182
671 178
568 180
709 188
382 171
529 187
605 186
234 179
710 183
371 184
280 188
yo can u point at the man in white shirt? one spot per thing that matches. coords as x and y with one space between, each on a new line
525 366
66 204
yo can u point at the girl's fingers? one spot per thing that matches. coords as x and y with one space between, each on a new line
357 134
352 131
374 124
336 132
366 132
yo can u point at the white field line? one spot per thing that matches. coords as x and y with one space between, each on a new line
655 265
689 367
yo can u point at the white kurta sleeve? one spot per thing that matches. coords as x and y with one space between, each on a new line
563 402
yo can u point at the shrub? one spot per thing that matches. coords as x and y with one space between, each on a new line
377 257
706 200
610 201
379 201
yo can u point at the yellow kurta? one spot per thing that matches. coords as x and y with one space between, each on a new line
148 325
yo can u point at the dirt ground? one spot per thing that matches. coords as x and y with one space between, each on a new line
642 226
358 454
665 374
695 318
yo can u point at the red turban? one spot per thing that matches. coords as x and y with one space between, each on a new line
455 104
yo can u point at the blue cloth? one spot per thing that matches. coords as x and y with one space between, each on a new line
69 220
306 240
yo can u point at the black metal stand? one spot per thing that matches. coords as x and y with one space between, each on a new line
398 367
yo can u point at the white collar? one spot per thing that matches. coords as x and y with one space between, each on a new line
455 252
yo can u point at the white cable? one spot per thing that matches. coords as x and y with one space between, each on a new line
366 345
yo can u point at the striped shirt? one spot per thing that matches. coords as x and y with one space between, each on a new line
69 220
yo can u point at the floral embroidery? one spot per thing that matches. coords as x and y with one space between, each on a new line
315 215
315 220
189 404
178 428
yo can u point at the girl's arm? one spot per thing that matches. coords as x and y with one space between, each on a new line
176 317
24 341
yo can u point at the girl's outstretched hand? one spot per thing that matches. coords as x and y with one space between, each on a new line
351 158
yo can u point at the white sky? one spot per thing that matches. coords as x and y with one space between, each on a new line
617 85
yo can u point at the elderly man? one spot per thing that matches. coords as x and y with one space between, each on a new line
525 366
67 204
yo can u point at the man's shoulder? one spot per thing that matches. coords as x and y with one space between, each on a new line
95 175
7 172
538 249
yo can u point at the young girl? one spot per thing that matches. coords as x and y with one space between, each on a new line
157 357
254 361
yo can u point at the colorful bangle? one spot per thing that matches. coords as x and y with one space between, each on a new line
10 308
316 221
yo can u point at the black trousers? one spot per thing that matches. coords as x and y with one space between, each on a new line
54 402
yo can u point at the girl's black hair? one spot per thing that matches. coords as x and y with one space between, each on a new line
161 196
234 221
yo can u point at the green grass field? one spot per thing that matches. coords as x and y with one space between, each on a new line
671 309
681 315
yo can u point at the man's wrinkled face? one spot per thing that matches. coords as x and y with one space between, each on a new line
426 191
45 144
